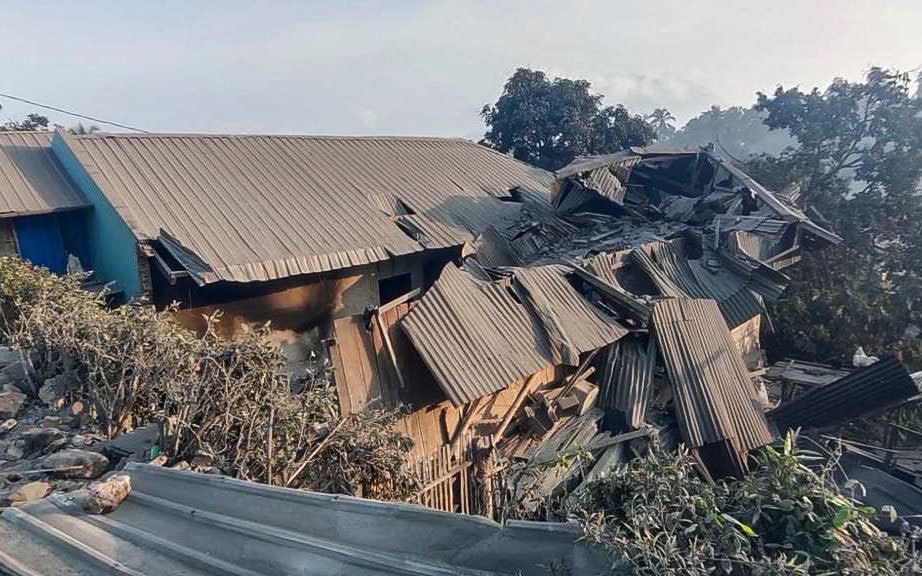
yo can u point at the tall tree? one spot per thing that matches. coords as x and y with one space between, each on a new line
663 123
738 131
858 158
548 123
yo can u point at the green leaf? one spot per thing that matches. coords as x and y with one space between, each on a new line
841 517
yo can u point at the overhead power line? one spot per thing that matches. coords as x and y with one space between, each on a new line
71 113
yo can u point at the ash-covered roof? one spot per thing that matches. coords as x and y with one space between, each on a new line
248 208
31 181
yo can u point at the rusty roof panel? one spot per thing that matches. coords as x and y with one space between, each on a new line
247 208
627 379
715 399
477 337
31 181
880 385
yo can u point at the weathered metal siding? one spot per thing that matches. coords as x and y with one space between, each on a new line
715 399
31 181
876 387
250 208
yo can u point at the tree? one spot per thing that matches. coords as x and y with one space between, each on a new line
738 131
663 123
548 123
33 122
859 160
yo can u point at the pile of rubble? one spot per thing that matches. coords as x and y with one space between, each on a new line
47 446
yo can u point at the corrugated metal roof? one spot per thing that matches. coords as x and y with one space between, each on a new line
715 399
477 337
880 385
627 380
31 181
245 208
177 522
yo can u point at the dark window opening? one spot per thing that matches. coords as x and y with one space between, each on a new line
394 287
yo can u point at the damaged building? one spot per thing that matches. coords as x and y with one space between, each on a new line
627 310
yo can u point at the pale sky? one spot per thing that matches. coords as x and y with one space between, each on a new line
426 68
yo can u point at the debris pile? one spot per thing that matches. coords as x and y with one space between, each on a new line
624 312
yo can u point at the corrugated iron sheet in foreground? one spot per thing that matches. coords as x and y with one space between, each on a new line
880 385
477 338
177 522
249 208
715 399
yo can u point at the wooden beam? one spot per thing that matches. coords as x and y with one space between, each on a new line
474 408
519 399
400 300
390 347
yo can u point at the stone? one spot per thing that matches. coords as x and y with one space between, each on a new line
31 491
39 438
181 465
106 495
8 356
159 460
74 463
7 425
15 374
15 451
79 441
50 395
77 408
51 420
10 404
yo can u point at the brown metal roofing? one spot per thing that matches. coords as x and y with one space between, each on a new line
31 181
477 337
627 379
245 208
715 399
881 385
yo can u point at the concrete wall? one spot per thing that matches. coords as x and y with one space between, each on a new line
110 242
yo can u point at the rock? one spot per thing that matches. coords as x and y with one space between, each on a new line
15 451
79 441
31 491
7 425
106 495
159 460
50 395
39 438
8 356
15 374
202 462
10 404
74 463
181 465
76 409
51 421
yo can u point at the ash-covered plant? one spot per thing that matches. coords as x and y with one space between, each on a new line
659 517
227 399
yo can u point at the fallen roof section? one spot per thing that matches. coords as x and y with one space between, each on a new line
31 181
179 522
715 399
251 208
876 387
480 336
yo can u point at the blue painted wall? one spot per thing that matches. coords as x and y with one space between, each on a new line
109 240
40 241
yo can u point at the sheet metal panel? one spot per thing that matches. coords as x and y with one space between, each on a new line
179 522
715 398
249 208
880 385
627 381
477 337
31 181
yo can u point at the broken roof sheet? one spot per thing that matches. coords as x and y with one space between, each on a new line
878 386
178 522
477 337
715 399
31 181
247 208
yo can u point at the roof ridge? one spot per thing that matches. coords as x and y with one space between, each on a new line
103 135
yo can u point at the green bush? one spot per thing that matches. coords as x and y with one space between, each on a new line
658 517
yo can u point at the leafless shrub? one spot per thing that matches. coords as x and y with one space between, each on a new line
224 398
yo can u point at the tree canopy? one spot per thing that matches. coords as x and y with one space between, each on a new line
858 158
548 123
32 122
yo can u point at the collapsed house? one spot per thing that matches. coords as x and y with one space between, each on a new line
626 311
